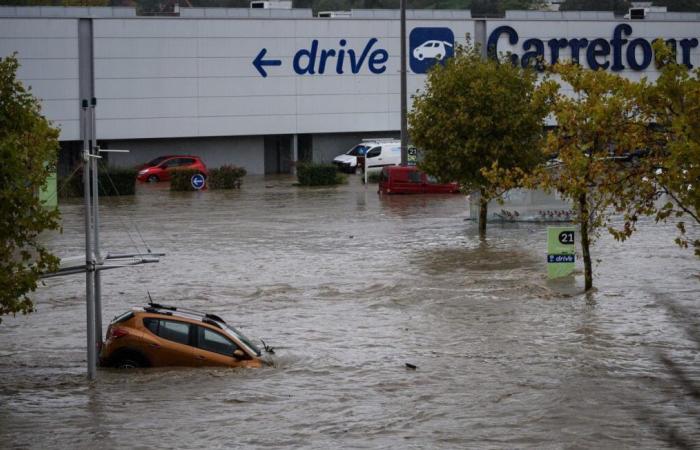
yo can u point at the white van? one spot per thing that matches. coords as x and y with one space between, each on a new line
382 153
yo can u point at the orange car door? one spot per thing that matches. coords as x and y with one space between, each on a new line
168 343
214 349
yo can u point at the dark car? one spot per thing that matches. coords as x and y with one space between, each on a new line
161 168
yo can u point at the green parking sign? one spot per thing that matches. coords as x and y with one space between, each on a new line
561 251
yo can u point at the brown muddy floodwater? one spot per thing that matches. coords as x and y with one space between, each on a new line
348 287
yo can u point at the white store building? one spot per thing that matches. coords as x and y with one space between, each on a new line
261 88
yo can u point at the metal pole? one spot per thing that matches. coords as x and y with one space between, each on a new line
404 104
96 224
295 153
89 256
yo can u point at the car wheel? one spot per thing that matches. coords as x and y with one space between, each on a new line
128 363
152 179
419 57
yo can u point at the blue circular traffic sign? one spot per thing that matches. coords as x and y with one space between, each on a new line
197 181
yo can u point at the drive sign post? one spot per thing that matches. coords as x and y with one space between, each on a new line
561 251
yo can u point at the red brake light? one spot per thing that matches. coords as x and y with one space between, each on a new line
118 332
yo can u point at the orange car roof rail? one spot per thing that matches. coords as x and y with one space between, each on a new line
156 307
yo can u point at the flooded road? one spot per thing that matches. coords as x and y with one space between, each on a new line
348 287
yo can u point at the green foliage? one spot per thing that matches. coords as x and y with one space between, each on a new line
475 113
55 2
600 121
679 5
111 181
28 151
181 180
313 174
672 167
226 177
617 6
497 8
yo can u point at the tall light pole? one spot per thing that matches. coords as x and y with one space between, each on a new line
404 104
89 242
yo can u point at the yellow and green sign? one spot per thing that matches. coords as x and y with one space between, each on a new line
561 251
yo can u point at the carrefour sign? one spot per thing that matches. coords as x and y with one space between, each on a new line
617 52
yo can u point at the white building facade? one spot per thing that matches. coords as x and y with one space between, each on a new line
264 88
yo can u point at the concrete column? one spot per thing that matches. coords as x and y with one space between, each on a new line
295 153
86 84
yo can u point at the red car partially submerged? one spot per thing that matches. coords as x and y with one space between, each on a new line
410 180
161 168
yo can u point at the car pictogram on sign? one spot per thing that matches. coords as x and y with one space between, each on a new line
431 49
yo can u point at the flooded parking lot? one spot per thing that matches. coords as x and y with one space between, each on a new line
348 287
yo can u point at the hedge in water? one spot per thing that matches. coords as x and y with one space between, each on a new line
312 174
225 177
181 180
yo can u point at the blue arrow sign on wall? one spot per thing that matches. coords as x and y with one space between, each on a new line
260 63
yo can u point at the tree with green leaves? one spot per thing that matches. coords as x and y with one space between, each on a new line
668 177
597 124
475 112
617 6
679 5
28 151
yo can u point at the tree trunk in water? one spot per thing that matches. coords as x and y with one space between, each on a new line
483 211
585 242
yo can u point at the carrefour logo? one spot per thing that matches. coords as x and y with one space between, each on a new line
620 52
429 46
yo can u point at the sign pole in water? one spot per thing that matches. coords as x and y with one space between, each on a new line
561 251
404 89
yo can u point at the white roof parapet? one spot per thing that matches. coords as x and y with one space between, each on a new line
376 13
559 15
415 14
671 16
244 13
459 14
67 11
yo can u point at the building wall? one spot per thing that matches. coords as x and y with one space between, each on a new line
190 85
196 77
244 151
47 50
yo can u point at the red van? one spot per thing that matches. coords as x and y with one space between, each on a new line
410 180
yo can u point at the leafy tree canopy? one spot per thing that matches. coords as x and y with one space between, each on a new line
618 6
28 151
475 112
670 170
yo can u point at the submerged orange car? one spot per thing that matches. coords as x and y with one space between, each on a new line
157 336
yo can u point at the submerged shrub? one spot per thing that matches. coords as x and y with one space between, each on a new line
312 174
226 177
181 180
